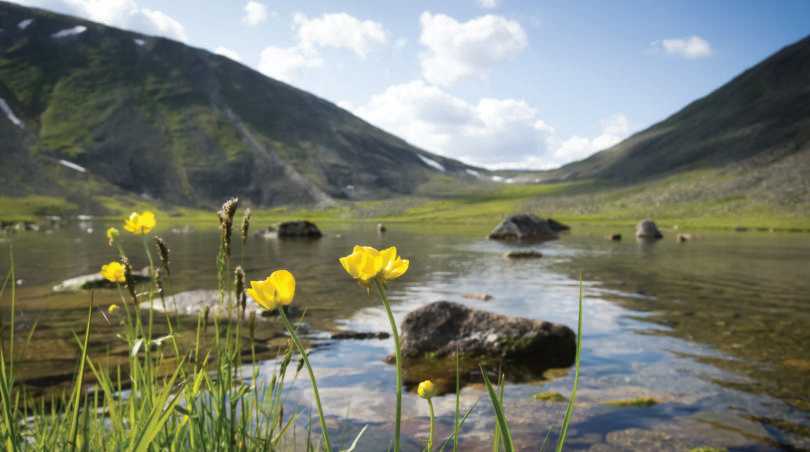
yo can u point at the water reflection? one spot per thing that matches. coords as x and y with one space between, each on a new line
715 330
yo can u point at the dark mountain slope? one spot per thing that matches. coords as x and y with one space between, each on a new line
765 110
157 118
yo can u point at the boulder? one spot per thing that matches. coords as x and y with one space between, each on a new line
614 237
193 302
298 229
647 230
96 281
524 227
441 328
557 226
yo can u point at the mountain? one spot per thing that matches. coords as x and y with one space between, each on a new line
92 111
759 121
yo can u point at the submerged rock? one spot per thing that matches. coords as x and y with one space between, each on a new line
524 227
96 281
648 230
523 254
557 226
441 328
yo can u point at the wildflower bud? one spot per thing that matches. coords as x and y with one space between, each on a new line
226 222
113 309
426 389
206 312
239 288
112 234
252 325
163 251
245 226
129 279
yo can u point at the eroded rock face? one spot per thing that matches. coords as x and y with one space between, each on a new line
441 328
648 230
524 227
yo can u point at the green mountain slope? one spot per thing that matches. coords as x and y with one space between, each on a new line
153 117
759 118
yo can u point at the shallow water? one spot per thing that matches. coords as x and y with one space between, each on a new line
716 330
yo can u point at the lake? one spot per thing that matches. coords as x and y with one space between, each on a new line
715 330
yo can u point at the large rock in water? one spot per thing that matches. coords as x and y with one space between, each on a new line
96 281
524 227
647 230
441 328
299 229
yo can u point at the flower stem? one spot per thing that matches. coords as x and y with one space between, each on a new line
311 375
430 438
399 363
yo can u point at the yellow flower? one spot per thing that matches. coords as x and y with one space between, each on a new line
113 271
113 309
366 265
140 224
426 389
277 289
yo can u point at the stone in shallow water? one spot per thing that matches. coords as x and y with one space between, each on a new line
524 227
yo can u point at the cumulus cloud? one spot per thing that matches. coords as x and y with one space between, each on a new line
457 50
614 129
287 63
691 48
254 13
118 13
338 30
224 51
493 133
342 31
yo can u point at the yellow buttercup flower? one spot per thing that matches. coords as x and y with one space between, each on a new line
426 389
140 224
113 309
277 289
114 272
366 265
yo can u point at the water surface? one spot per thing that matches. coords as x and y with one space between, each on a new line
716 330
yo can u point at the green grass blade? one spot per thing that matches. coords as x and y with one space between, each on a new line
354 444
77 390
447 441
506 437
570 409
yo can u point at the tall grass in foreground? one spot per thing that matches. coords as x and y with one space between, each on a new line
175 395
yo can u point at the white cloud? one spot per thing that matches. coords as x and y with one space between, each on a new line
457 50
286 63
488 4
118 13
690 48
614 129
495 132
340 30
224 51
255 13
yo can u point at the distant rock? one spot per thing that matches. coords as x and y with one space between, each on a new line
381 228
298 229
614 237
96 281
441 328
523 254
648 230
524 227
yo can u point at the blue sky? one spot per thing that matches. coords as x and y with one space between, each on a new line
495 83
